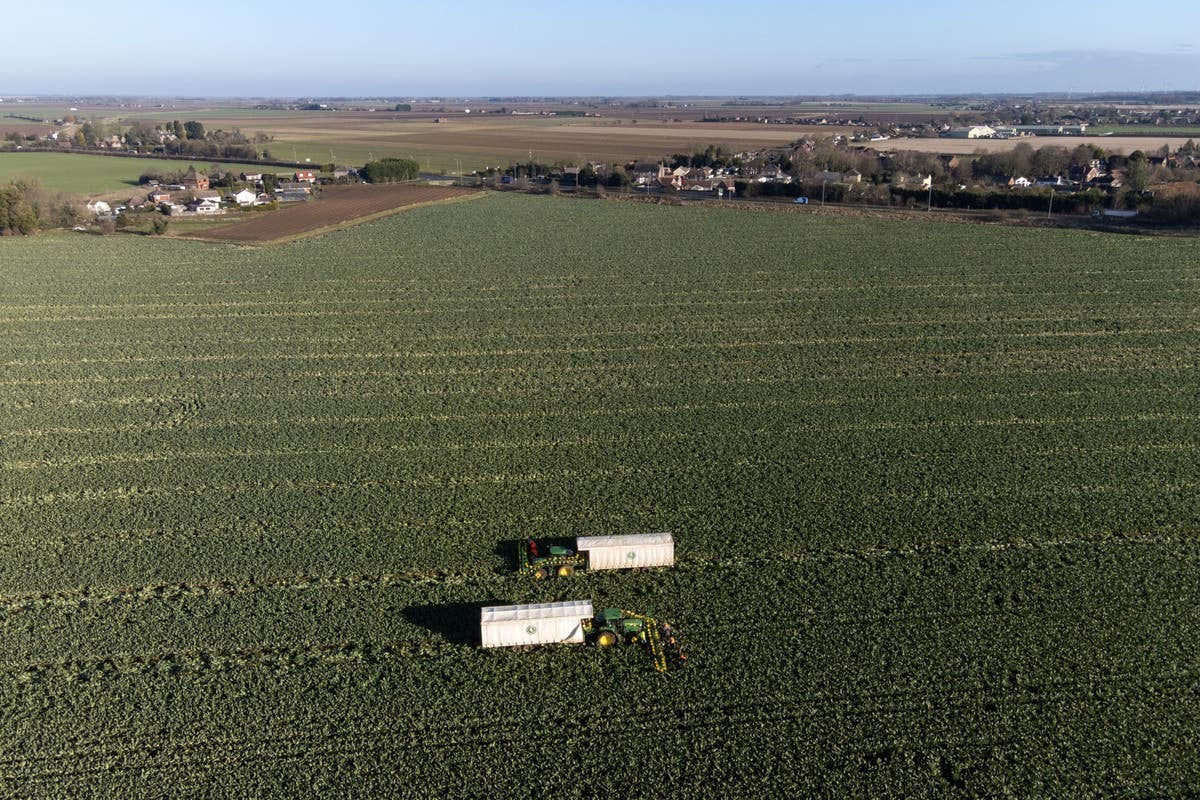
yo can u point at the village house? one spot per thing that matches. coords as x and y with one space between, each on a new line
1085 176
194 180
1019 183
251 177
305 176
206 205
158 195
244 198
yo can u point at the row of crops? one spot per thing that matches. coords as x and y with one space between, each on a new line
933 490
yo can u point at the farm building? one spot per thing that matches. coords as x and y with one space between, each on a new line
535 623
972 132
305 175
291 195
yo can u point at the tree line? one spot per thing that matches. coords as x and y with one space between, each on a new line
25 208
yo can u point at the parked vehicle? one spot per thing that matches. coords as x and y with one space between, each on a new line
575 622
542 558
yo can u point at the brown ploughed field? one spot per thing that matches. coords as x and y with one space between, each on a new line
334 206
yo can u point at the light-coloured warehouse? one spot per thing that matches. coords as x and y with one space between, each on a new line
534 623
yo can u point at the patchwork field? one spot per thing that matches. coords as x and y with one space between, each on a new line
933 488
337 205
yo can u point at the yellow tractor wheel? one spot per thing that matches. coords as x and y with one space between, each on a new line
540 574
606 639
566 571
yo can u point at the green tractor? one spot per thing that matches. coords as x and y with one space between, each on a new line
543 559
613 626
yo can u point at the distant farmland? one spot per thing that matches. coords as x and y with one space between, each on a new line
933 489
1120 145
471 142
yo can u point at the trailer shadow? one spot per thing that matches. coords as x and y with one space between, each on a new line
457 623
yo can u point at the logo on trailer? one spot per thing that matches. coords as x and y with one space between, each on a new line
531 629
631 555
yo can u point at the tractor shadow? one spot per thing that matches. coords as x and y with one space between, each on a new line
457 623
507 550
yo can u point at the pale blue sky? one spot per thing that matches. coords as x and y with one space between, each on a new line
538 47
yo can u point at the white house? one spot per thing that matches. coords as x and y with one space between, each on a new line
1020 183
98 207
245 197
207 205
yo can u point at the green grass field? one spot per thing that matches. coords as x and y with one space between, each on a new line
89 174
933 489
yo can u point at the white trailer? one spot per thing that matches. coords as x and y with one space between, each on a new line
628 551
534 623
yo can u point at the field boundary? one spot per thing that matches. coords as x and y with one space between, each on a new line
350 223
212 236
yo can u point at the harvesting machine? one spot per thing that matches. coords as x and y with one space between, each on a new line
575 622
542 558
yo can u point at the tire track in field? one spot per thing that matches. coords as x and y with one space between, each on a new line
70 599
639 724
1141 366
418 288
529 310
582 294
637 348
631 328
125 457
625 411
449 372
642 279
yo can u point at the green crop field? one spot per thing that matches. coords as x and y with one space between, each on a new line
933 489
89 174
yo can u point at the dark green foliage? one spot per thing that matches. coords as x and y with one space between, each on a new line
933 489
389 170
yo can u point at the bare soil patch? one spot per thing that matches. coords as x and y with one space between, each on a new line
336 205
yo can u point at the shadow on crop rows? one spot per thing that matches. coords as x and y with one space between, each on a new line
457 623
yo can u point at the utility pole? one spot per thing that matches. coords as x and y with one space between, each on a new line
929 205
822 192
1051 208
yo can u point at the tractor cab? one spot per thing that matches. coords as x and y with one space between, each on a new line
543 558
